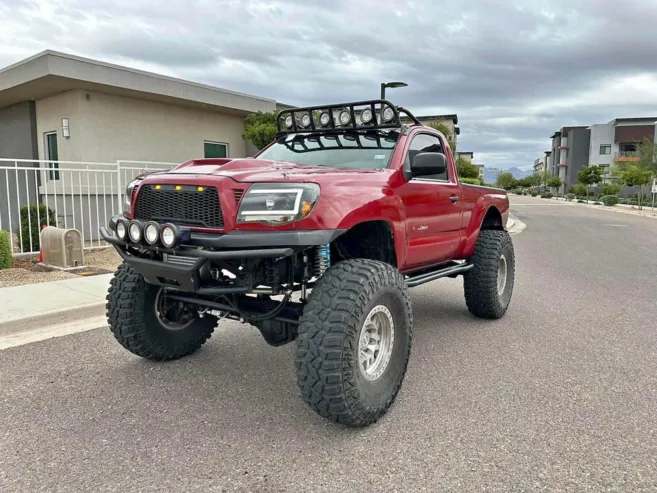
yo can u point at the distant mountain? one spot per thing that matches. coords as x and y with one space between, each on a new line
490 174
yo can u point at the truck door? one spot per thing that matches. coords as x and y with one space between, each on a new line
433 208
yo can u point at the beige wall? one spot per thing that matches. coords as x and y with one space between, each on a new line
106 128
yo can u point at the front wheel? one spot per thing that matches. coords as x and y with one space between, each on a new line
354 341
149 325
488 285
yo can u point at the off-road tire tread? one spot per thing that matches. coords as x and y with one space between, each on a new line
125 299
328 337
480 283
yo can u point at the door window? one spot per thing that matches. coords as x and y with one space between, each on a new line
52 155
426 143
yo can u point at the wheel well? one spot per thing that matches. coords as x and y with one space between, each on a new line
369 240
492 219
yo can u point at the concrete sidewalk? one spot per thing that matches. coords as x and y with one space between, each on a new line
37 306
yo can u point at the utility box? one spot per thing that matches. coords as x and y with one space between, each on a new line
62 247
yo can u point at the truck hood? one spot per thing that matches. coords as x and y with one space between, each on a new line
261 170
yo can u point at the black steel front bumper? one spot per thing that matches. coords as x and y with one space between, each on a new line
202 249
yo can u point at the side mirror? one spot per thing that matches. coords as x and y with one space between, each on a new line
429 163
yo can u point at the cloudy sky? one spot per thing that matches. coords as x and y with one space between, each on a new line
514 71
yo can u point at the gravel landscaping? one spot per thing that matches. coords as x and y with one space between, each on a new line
27 270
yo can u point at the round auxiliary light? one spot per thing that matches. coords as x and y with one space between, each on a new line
345 117
388 114
324 119
134 231
169 235
151 233
289 121
305 120
366 116
121 230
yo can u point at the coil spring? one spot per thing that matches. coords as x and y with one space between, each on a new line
322 259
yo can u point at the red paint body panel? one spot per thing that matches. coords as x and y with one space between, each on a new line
428 226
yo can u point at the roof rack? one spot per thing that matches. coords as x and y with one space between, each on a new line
373 114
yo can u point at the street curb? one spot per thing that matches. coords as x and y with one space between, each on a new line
56 317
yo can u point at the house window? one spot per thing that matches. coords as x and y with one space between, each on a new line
605 149
215 150
52 155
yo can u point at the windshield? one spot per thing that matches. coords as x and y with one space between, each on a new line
365 150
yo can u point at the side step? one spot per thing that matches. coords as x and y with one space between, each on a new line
451 270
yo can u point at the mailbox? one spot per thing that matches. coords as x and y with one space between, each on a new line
62 247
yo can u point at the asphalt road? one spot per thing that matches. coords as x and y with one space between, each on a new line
560 395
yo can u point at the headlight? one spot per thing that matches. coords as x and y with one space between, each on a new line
128 194
277 203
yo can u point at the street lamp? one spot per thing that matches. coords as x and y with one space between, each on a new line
392 85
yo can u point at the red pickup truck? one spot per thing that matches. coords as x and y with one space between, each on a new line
317 239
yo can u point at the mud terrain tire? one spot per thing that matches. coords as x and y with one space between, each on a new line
349 302
485 294
133 320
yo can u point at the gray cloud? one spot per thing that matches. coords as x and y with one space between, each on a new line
514 71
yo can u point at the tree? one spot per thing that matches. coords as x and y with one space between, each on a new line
554 182
610 189
443 129
466 169
536 179
636 176
524 182
589 175
260 128
505 180
646 152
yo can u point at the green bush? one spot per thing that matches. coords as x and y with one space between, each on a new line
622 200
577 189
547 195
580 201
534 194
37 218
609 199
5 250
471 181
570 196
610 189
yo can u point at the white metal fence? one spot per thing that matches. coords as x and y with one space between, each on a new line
66 194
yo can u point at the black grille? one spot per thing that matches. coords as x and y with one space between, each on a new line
186 207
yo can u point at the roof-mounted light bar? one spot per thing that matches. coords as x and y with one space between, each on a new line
361 115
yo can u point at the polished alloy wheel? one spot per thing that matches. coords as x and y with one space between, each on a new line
502 275
375 343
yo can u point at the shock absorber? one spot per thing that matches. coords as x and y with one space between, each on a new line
322 259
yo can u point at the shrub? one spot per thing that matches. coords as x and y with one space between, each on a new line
570 196
547 195
577 189
597 203
534 194
609 199
622 200
5 250
610 189
37 218
580 201
471 181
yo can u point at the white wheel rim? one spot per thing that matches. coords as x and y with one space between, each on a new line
502 273
375 343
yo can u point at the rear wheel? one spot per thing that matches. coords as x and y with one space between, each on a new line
488 285
148 324
354 342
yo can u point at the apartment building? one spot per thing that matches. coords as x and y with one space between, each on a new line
570 153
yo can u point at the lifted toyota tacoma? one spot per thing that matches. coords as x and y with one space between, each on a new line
317 239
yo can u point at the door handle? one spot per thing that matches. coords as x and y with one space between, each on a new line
454 199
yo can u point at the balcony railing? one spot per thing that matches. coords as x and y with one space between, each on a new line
626 156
